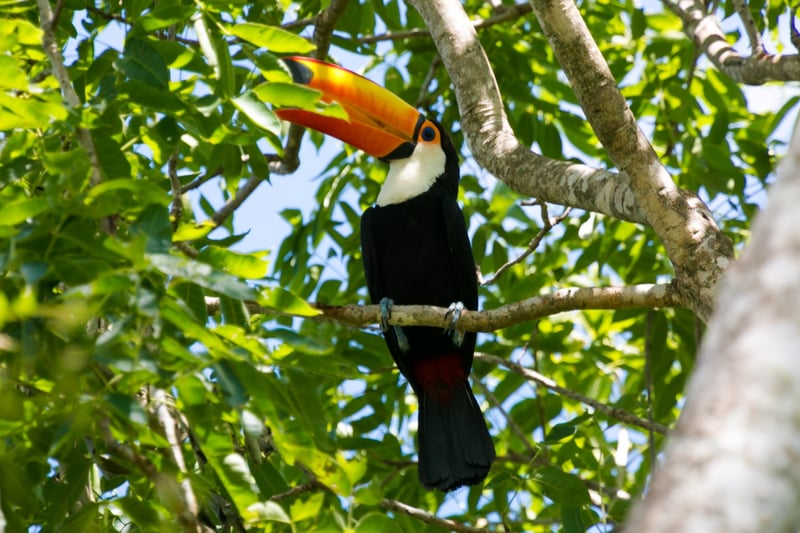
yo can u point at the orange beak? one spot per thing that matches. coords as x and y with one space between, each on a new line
379 122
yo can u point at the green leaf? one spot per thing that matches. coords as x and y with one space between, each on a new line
32 112
268 511
233 312
291 95
121 195
284 301
256 111
225 74
274 39
561 487
15 212
252 266
113 162
378 522
153 223
127 408
159 98
13 77
141 62
303 509
165 14
202 274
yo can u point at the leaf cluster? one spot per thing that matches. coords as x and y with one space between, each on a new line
118 390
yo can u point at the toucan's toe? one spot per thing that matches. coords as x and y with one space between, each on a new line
454 315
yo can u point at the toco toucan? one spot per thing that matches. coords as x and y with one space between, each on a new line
416 251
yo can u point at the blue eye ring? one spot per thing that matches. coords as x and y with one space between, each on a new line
428 133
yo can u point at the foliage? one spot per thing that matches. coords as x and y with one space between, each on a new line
290 424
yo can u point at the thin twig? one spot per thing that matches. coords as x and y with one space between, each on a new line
48 21
503 15
238 199
547 225
509 421
194 184
539 379
166 486
122 20
428 518
756 44
424 90
299 489
176 211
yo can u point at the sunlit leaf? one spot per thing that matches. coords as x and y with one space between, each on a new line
272 38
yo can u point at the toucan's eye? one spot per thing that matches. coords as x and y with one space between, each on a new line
428 133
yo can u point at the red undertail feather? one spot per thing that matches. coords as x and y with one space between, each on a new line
440 376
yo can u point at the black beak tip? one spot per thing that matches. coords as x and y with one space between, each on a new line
300 73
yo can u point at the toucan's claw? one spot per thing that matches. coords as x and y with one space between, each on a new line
454 314
386 314
402 340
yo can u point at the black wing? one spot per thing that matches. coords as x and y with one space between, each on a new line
464 271
369 255
461 251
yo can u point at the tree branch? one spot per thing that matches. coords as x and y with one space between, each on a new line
756 44
539 379
169 425
730 465
547 225
491 139
642 296
707 34
166 486
503 14
512 425
242 194
698 250
47 23
176 209
428 518
695 245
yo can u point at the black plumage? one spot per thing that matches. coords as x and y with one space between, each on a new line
418 252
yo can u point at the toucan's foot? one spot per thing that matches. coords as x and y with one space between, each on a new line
386 314
454 314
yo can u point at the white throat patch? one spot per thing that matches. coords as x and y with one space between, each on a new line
413 175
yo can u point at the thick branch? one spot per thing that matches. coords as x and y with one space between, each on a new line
731 464
698 250
489 134
706 32
632 297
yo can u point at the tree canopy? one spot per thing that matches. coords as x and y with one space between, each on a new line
156 374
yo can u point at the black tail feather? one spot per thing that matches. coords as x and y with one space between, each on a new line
455 447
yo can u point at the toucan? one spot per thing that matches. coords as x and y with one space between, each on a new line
416 250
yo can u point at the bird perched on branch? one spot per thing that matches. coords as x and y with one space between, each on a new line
416 251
